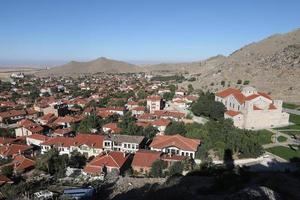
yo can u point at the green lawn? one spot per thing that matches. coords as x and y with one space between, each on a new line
281 139
264 137
284 152
290 105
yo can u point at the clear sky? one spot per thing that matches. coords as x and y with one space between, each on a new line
137 30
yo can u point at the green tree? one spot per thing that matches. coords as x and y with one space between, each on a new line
7 170
53 163
77 160
157 168
190 89
141 94
175 128
150 132
168 96
176 168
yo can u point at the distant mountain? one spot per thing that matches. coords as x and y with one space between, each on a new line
271 65
99 65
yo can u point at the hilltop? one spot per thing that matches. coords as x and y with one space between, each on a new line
271 65
101 64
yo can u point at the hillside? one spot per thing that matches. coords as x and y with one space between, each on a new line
99 65
272 65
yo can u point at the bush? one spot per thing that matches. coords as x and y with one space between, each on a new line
157 168
239 82
176 168
246 82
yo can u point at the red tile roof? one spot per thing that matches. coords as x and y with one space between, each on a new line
161 122
184 143
154 98
90 140
232 113
145 158
38 137
112 159
13 149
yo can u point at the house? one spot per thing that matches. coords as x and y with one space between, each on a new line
175 145
21 164
123 143
66 121
62 144
113 161
12 116
161 124
36 139
111 128
62 132
132 104
154 103
27 127
168 114
139 110
88 144
46 119
143 160
250 109
12 150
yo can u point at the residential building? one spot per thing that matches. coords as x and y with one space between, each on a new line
106 163
175 145
154 103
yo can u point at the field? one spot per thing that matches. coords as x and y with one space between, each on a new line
284 152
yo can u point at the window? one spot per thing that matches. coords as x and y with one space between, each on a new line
182 153
129 146
191 154
125 145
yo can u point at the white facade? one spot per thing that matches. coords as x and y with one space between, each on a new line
250 109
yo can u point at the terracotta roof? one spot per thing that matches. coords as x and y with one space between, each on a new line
13 149
161 122
112 159
38 137
59 142
167 157
145 158
90 140
184 143
12 113
4 179
113 127
21 163
272 107
239 95
167 113
154 98
232 113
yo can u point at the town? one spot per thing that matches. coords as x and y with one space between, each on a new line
65 136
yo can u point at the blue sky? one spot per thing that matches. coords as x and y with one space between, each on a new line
50 31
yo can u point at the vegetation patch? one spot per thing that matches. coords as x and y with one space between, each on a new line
285 152
264 137
290 105
281 139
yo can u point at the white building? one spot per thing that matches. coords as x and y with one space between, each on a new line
250 109
154 103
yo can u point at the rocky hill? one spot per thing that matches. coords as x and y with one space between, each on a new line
272 65
95 66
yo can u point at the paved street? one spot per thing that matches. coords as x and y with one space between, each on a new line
293 111
290 140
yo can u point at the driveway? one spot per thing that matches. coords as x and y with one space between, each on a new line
292 111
